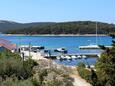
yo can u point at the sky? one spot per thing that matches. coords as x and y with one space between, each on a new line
57 10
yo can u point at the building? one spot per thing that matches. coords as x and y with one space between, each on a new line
5 44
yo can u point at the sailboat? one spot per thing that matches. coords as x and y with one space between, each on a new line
91 46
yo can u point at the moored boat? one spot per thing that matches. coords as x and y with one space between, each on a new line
79 57
62 50
83 56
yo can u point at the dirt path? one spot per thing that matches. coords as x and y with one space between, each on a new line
78 81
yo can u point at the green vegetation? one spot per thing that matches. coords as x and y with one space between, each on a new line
105 68
88 75
7 25
79 27
50 74
14 71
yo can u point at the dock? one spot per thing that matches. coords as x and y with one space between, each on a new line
36 53
72 55
92 47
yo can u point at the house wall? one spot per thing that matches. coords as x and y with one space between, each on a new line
2 48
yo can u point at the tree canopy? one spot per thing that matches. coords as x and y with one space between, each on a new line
77 27
105 66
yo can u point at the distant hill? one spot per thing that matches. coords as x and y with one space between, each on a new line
75 27
8 25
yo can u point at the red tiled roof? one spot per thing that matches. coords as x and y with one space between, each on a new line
7 44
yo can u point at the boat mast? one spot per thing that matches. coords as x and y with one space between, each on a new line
96 34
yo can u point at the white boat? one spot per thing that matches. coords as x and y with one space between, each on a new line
68 57
63 50
79 57
73 57
63 57
83 56
58 57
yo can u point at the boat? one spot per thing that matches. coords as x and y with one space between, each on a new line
79 57
58 57
91 46
83 56
73 57
62 50
68 57
63 57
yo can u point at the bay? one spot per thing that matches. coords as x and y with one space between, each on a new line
71 43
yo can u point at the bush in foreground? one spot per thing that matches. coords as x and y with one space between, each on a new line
16 72
88 74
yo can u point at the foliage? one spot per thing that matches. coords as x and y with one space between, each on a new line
105 68
112 35
84 73
15 67
16 82
77 27
16 72
81 65
5 54
89 75
51 75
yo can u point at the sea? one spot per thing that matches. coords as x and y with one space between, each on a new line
71 43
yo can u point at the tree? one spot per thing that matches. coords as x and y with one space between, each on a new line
105 66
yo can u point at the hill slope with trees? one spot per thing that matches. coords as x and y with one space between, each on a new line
77 27
8 25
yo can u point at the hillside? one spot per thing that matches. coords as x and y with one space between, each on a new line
76 27
8 25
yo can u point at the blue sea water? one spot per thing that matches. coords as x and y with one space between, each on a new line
74 62
71 43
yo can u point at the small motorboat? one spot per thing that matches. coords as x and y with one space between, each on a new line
63 57
79 57
84 56
58 57
62 50
68 57
73 57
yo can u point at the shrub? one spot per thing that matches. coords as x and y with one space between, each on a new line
16 82
88 74
16 72
11 64
51 75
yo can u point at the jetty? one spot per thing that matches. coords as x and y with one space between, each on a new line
39 52
77 55
92 47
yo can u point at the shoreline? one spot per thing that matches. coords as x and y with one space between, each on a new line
55 35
